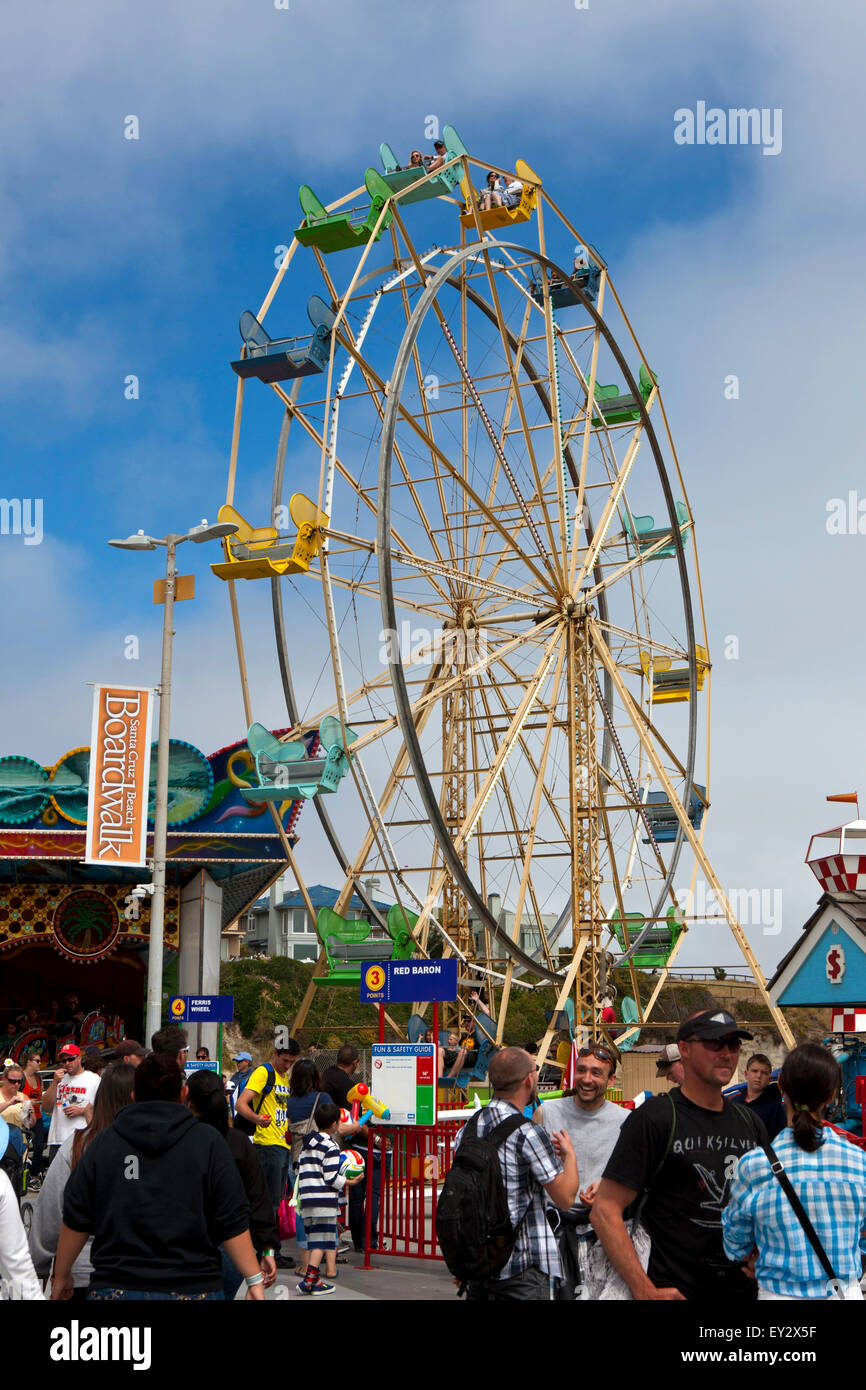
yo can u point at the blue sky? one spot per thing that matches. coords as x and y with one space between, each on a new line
121 256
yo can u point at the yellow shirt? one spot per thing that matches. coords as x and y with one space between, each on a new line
275 1103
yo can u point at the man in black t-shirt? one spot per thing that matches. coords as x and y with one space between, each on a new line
681 1149
338 1080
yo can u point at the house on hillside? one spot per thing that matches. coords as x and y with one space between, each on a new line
279 923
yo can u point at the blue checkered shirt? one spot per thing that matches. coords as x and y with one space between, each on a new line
528 1163
831 1184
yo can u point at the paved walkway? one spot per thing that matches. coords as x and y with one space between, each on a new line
392 1279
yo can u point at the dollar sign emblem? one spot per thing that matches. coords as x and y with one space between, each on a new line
834 965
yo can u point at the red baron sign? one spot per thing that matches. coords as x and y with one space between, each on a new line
119 776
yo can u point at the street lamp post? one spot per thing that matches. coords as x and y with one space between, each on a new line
156 937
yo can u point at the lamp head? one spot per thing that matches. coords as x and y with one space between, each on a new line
137 542
214 532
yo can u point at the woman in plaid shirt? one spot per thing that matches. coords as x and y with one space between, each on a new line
827 1172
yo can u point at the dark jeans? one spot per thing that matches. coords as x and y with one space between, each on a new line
140 1296
274 1159
531 1283
357 1201
39 1135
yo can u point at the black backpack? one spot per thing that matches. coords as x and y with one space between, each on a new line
473 1224
241 1123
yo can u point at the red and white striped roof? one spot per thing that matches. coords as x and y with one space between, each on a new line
839 863
849 1020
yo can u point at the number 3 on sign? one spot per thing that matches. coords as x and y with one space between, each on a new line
375 978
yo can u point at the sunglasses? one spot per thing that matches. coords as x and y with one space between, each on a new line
720 1044
597 1051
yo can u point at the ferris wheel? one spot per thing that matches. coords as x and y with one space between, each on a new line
485 589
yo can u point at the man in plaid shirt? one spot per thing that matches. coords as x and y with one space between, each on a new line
532 1163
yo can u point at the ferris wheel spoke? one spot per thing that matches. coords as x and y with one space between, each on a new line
627 568
508 536
610 509
585 441
404 557
532 762
556 401
296 413
477 666
513 389
516 395
398 453
525 875
492 436
425 406
630 707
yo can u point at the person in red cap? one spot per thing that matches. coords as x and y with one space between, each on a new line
681 1150
70 1095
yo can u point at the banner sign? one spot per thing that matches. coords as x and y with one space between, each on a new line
119 776
408 981
202 1008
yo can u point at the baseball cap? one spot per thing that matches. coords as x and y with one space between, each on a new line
128 1047
712 1023
70 1050
242 1057
670 1054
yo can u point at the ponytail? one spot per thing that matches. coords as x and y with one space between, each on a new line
809 1078
807 1131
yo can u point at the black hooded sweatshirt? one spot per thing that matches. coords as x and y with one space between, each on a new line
158 1192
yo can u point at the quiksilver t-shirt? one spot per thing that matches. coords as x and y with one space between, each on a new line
687 1193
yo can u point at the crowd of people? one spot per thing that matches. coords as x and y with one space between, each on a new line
683 1197
159 1186
163 1186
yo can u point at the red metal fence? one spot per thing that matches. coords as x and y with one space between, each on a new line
415 1160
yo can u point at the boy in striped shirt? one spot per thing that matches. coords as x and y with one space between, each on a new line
320 1182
